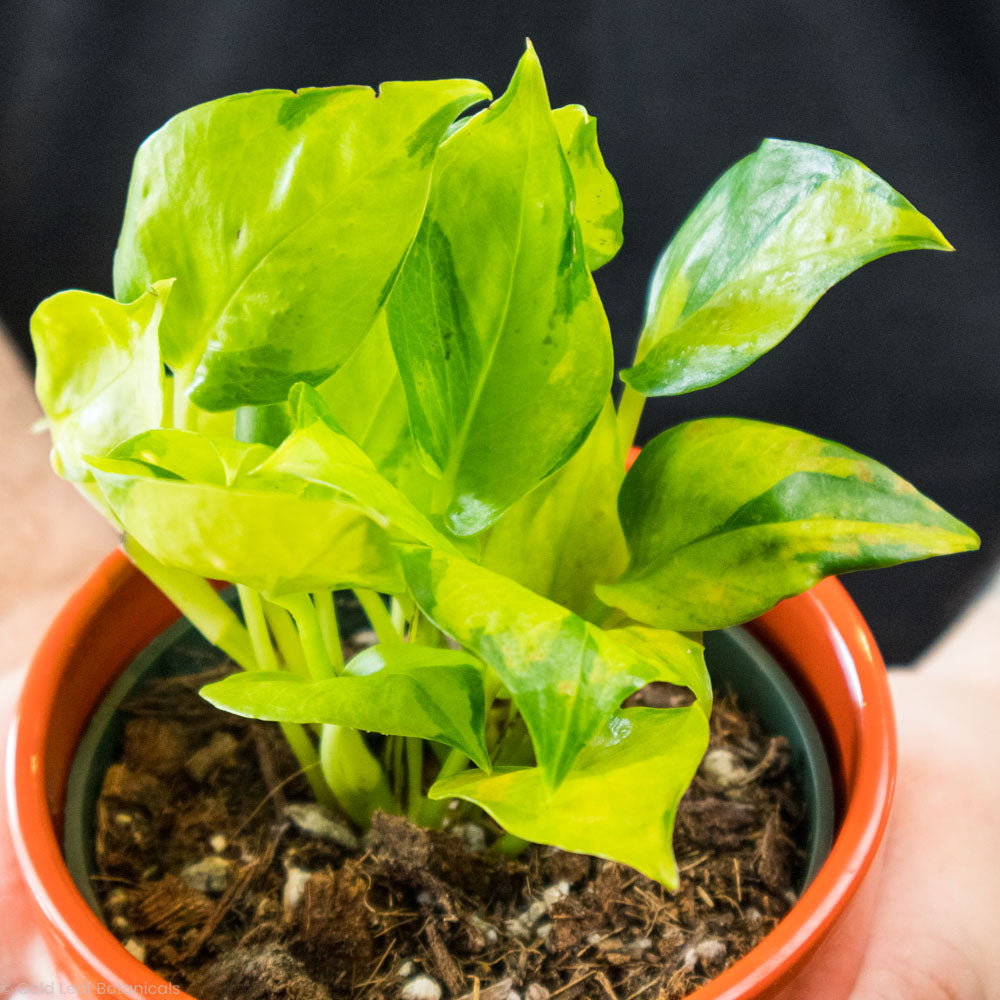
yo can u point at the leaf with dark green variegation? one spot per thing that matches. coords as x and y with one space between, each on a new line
401 690
726 517
770 237
566 676
201 505
284 217
501 339
99 376
618 801
598 204
564 536
267 424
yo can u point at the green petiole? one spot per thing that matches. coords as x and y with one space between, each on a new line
379 616
326 613
199 602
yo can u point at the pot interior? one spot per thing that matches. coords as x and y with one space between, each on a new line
737 662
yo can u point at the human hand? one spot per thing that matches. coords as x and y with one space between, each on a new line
937 916
50 538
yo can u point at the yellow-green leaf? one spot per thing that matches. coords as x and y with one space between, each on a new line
99 376
284 217
598 205
618 801
767 240
566 676
725 517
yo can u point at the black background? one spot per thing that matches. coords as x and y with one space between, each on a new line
899 361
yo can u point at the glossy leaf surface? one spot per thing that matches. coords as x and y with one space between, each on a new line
401 690
501 339
203 505
598 205
725 517
99 376
318 451
566 676
283 216
564 536
768 239
366 397
619 800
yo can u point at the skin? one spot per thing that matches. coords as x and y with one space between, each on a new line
937 918
36 505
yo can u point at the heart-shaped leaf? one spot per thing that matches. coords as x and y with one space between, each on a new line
768 239
618 801
501 339
725 517
233 196
400 690
566 676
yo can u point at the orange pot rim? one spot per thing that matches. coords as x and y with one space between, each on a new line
860 728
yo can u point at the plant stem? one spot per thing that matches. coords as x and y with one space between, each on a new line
395 767
295 735
354 775
199 603
398 616
509 846
253 615
415 776
330 630
287 639
321 666
434 811
379 617
629 413
308 758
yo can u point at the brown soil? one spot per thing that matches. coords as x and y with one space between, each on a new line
272 911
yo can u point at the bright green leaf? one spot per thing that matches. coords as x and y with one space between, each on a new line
318 451
501 339
197 458
401 690
284 218
276 534
725 517
619 800
366 397
598 204
566 676
99 376
564 536
768 239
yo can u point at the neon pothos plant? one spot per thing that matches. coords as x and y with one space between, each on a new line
356 344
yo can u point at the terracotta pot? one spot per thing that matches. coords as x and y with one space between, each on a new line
819 637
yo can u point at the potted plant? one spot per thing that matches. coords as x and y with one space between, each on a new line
368 353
